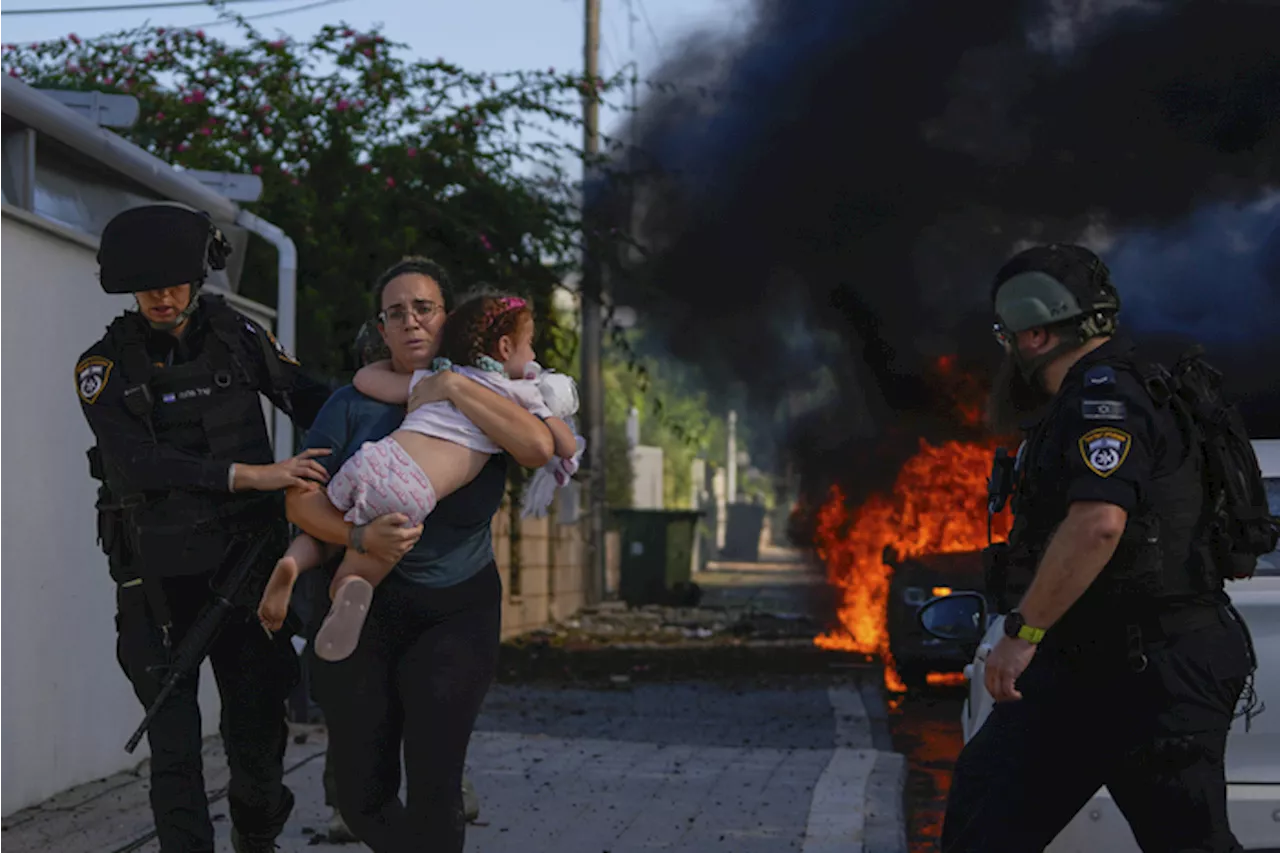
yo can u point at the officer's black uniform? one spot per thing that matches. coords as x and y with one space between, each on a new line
1135 687
170 415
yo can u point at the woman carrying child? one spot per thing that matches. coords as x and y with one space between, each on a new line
435 452
429 645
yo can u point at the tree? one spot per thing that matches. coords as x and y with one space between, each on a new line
364 157
674 415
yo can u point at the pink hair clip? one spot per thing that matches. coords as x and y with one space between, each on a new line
511 303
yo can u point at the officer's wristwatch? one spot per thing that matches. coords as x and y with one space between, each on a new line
1016 628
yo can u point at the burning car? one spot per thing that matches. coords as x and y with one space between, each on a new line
1253 746
916 580
932 527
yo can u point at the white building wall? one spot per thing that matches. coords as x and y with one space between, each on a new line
646 482
68 708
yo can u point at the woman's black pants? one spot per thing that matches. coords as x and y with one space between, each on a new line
418 677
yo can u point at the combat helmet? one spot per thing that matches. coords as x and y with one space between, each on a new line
160 245
1062 286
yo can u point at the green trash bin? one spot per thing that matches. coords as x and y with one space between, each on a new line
656 555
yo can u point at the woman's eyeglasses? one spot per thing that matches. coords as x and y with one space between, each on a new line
422 310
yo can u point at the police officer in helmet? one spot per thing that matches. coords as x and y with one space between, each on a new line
1123 661
171 393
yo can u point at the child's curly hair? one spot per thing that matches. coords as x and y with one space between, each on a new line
474 328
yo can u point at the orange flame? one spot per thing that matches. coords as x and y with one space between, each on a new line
937 506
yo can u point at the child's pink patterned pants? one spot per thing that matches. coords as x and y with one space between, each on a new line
381 478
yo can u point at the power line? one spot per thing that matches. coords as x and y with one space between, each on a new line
261 15
631 27
124 7
652 34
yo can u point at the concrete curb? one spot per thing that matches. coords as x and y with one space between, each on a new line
877 715
885 830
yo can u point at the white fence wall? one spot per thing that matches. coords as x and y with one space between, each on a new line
68 708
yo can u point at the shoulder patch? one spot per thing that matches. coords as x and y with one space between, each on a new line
91 377
1100 374
1104 449
1102 410
280 350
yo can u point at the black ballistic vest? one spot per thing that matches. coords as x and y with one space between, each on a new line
1163 555
207 407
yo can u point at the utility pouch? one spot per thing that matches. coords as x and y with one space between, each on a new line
110 523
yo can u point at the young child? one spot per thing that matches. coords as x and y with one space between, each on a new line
435 452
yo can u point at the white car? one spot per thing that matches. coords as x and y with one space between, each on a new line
1253 756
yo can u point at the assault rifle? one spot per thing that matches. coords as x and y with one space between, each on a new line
195 646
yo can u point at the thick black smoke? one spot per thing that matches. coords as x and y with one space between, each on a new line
862 167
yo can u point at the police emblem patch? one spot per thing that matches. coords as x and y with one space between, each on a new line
91 377
1105 449
280 350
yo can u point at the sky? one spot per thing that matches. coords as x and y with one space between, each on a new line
480 35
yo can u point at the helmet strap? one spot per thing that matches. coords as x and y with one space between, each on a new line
182 316
1090 326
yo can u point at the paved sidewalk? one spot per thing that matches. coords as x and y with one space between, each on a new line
778 750
676 767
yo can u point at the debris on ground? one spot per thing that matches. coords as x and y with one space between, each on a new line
616 644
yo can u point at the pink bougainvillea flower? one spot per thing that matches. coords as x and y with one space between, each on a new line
257 170
412 152
75 39
205 131
391 182
198 96
200 34
159 116
276 45
342 105
182 146
266 131
484 241
108 80
127 49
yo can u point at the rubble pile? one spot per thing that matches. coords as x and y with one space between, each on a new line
612 643
614 624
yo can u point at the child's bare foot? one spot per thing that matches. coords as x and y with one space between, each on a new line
340 633
274 606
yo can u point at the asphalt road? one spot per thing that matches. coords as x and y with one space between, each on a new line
926 729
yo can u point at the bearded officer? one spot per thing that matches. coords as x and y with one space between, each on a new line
171 393
1123 661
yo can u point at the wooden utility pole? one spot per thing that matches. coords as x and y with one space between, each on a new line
591 293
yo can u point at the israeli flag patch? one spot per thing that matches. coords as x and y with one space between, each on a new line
1102 410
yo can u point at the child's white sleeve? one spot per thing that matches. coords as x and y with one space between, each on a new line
528 395
538 406
418 376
